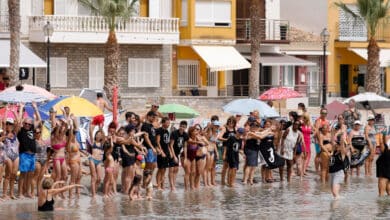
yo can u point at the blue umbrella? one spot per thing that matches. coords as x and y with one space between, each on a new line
245 106
47 106
30 111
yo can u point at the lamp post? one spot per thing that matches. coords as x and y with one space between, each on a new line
324 39
48 32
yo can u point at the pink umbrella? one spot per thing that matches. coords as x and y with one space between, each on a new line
279 93
34 89
334 109
12 108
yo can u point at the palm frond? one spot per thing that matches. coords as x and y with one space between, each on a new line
90 4
345 8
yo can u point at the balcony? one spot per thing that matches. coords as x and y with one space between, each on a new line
94 29
357 31
274 31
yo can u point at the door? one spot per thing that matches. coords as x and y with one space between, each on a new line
240 82
212 83
49 7
344 70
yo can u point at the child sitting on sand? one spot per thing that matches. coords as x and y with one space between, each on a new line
134 192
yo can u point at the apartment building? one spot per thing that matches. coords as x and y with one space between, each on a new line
348 46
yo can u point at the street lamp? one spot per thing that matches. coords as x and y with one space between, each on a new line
324 39
48 32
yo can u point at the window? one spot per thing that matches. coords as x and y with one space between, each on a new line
160 8
65 7
144 72
184 13
350 28
288 76
188 73
213 13
58 72
96 73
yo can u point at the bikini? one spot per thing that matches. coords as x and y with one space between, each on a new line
57 147
74 149
95 161
48 205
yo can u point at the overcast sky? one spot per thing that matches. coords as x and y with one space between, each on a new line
308 15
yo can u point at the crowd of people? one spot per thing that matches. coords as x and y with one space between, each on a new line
146 150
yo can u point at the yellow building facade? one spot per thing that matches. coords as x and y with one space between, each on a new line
348 42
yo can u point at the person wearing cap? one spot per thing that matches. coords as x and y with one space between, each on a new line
318 124
177 143
370 133
355 134
11 151
27 150
351 114
162 140
233 147
150 141
213 154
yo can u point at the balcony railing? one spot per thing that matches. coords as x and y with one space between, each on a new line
94 29
273 31
99 24
357 31
4 23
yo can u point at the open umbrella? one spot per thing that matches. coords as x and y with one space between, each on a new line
335 108
34 89
370 101
21 96
245 106
78 106
181 111
279 93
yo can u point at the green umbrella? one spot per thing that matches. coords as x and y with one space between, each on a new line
181 111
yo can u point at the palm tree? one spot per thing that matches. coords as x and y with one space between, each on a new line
255 30
14 29
114 12
371 12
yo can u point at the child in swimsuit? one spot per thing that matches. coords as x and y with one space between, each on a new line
109 165
134 192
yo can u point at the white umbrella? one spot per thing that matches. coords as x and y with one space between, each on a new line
21 96
367 97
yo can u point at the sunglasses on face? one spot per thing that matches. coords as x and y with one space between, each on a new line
156 106
37 132
324 113
25 123
8 123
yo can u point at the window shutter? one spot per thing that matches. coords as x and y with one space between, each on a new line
60 7
71 7
154 8
62 77
203 13
165 8
37 7
53 71
222 12
184 13
96 73
143 72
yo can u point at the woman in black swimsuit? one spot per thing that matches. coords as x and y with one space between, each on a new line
45 198
383 166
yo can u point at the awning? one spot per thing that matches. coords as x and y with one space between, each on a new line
277 59
27 58
220 58
384 55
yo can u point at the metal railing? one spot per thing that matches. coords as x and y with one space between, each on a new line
357 31
272 30
99 24
4 23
